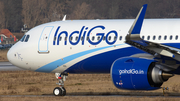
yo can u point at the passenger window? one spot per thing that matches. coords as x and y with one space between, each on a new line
27 38
148 37
71 38
65 38
165 37
120 38
87 38
60 38
22 39
143 37
82 38
154 37
170 37
77 38
115 37
176 37
54 38
98 38
104 38
93 38
159 37
109 37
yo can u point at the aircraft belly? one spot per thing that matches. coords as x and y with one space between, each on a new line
101 63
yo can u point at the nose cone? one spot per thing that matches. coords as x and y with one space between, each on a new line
13 56
10 55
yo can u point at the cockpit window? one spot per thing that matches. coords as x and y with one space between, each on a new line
27 38
22 39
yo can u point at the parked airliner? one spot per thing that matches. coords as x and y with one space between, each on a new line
135 61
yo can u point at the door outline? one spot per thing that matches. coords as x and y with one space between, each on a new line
47 44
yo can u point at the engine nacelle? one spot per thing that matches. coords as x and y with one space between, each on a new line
137 74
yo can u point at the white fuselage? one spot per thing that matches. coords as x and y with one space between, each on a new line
51 49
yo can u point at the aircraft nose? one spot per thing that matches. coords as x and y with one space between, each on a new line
10 55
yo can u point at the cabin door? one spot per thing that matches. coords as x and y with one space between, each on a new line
44 40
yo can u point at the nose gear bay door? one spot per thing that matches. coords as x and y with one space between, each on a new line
44 40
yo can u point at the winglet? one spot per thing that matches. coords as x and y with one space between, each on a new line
135 29
64 19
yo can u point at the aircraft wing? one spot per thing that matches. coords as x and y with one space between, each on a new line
165 54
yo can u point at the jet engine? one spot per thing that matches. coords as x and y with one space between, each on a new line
135 73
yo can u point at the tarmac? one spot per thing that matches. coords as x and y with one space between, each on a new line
93 95
7 66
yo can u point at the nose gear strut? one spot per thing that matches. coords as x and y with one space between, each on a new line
60 91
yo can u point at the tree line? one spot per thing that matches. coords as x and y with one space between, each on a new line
15 13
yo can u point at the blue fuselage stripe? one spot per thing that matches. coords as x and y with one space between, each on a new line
53 65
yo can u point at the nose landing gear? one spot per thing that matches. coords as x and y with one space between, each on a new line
60 91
